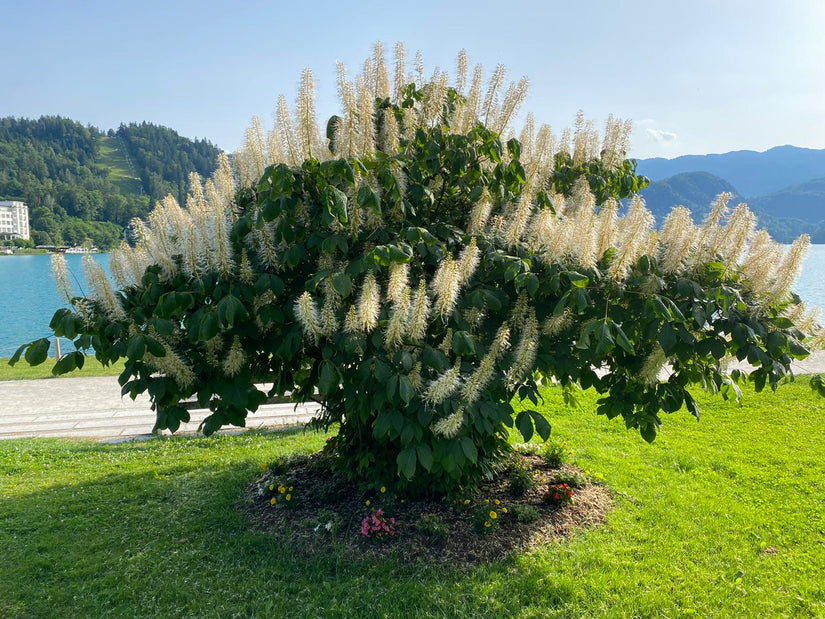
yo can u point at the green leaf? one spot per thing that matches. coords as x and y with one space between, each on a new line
406 462
691 405
381 371
382 426
335 201
154 347
577 279
622 340
16 356
469 448
38 351
668 338
67 363
392 387
210 326
524 423
367 198
229 309
406 389
295 255
542 425
463 343
136 347
342 284
425 456
648 432
328 379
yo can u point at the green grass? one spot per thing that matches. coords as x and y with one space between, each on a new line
23 371
113 157
150 529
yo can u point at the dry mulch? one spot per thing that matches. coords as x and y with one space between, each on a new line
325 514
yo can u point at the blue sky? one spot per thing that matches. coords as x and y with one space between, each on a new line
695 76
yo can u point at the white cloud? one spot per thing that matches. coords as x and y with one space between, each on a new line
662 137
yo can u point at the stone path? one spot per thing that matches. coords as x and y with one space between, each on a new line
93 408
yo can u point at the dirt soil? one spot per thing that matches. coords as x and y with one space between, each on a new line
317 511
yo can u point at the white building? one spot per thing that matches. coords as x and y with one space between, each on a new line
14 220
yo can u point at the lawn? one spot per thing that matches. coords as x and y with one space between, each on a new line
725 517
23 371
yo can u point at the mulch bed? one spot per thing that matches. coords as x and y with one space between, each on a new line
324 514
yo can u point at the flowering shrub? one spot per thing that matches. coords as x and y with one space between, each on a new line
377 526
558 494
413 269
485 518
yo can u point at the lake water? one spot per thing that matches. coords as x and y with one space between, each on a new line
28 295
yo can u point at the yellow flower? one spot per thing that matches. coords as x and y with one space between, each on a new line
383 489
466 501
497 502
367 503
272 501
571 452
290 488
493 515
272 486
486 501
503 510
487 523
281 489
289 497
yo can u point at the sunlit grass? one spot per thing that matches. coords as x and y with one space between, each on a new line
23 371
724 517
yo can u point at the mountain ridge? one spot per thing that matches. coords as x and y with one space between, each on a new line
753 173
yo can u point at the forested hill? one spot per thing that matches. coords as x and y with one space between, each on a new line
82 184
163 159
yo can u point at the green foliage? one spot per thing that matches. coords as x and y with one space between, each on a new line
523 513
433 526
571 478
520 474
558 494
163 159
73 180
406 415
485 517
553 453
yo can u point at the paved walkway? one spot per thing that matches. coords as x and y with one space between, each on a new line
93 408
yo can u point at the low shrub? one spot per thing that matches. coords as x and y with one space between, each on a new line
524 513
433 526
520 477
553 453
571 478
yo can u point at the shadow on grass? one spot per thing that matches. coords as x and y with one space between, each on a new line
154 529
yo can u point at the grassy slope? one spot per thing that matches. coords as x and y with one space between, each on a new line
150 529
23 371
113 157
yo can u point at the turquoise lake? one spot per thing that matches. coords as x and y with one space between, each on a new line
28 295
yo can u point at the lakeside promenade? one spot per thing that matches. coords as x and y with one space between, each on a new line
93 408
